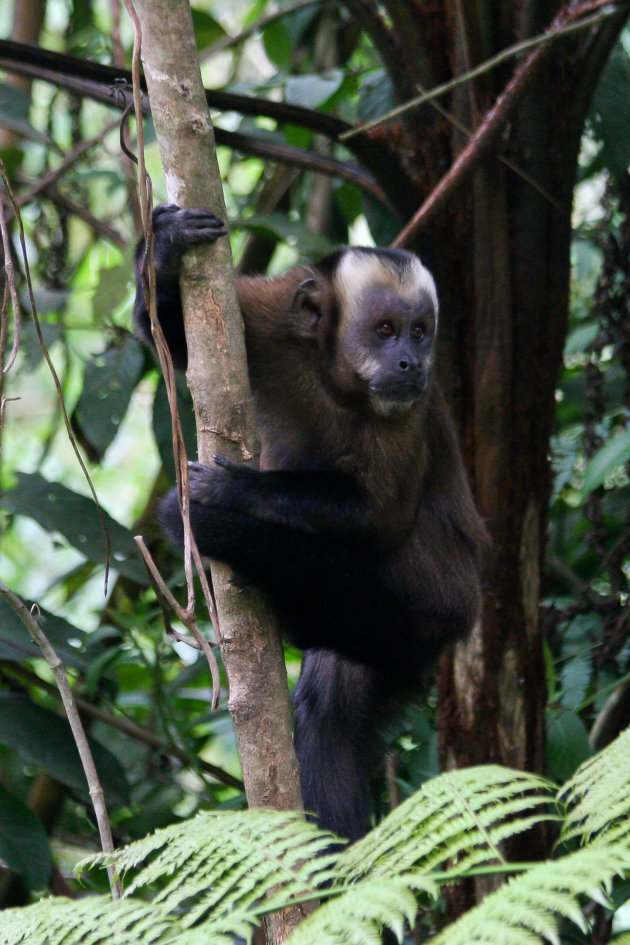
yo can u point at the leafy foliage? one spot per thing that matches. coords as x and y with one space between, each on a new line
452 817
218 874
597 808
524 910
149 698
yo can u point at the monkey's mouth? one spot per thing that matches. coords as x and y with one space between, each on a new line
403 394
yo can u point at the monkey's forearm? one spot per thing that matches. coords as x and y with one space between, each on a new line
318 502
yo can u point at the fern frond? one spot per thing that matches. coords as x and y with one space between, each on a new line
460 816
597 797
524 910
229 858
92 921
358 916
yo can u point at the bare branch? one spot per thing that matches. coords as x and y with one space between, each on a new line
91 774
217 377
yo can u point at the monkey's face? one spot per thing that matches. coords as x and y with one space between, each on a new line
385 350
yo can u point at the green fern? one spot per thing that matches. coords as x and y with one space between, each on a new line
228 860
359 914
524 910
218 874
461 817
597 798
92 921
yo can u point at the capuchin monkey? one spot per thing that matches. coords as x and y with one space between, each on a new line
360 526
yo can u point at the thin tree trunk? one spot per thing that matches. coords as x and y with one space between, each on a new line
217 377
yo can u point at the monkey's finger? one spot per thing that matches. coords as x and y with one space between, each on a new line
195 467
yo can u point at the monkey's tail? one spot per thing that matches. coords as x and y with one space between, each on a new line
337 740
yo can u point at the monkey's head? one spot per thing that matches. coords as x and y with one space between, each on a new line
382 306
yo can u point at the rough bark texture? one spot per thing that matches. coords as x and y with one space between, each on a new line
504 283
217 377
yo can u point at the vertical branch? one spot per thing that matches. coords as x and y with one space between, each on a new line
217 378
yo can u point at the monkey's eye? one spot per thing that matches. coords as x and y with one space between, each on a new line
417 332
385 330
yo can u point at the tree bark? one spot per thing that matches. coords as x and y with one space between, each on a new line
217 377
504 352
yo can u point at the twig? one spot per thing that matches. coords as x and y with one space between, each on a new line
91 774
186 616
9 271
506 161
71 158
100 227
493 122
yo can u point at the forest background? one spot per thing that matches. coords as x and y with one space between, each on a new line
530 251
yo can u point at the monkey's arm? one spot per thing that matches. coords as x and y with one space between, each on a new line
332 592
174 232
322 502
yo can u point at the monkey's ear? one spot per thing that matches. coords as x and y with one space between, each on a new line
307 305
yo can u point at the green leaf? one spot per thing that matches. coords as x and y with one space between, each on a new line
278 44
311 91
162 423
16 643
567 742
24 846
74 516
14 109
112 289
110 379
30 347
610 115
207 29
597 798
377 96
44 738
612 455
580 339
575 677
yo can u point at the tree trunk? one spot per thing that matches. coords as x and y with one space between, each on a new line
509 316
217 377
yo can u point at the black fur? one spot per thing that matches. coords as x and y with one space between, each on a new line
359 526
